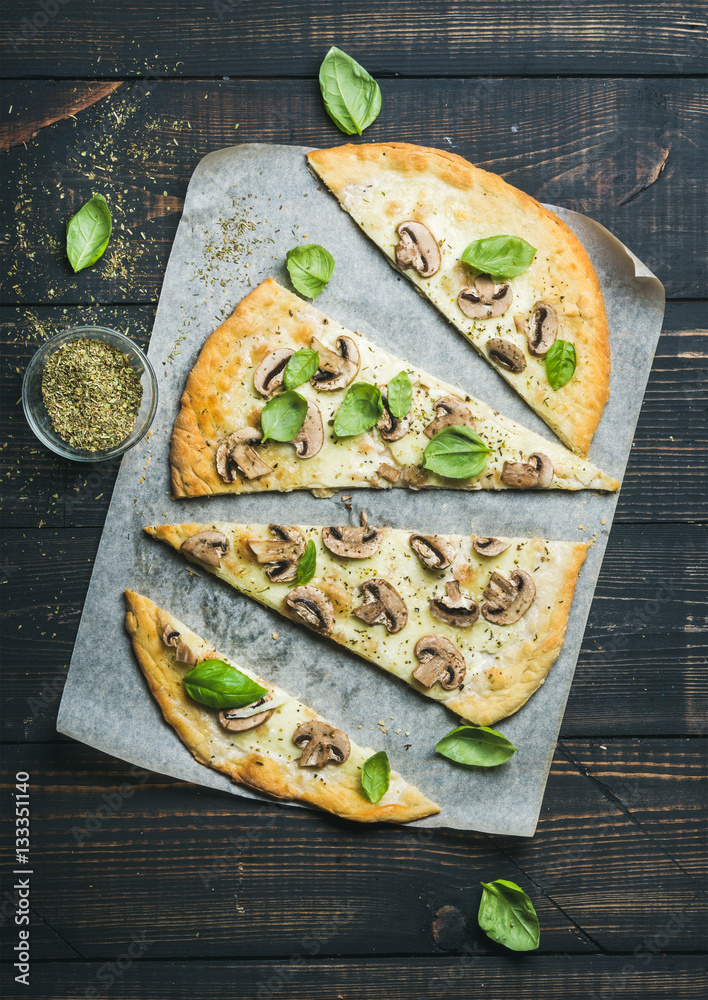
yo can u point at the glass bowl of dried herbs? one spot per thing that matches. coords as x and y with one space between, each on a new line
89 394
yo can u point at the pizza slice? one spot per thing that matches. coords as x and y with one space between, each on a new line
287 750
348 431
531 305
474 623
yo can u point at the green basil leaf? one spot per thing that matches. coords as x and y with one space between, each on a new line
456 453
361 408
283 415
310 267
215 683
560 364
399 395
301 367
88 232
506 915
352 98
476 745
375 776
306 566
500 256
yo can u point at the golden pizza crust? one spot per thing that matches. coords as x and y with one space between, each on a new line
384 184
335 788
220 398
505 663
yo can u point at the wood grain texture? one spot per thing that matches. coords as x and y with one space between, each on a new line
118 841
629 153
411 38
648 613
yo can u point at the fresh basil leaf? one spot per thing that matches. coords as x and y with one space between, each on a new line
352 98
476 745
215 683
361 408
310 267
399 395
88 232
560 364
500 256
375 776
456 453
506 915
283 416
306 566
301 367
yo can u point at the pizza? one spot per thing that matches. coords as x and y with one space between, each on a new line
474 623
424 208
287 751
217 441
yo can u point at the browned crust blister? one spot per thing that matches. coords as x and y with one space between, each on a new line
198 729
575 410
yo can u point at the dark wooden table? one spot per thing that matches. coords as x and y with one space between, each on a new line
145 887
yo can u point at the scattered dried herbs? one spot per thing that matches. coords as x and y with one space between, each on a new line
92 394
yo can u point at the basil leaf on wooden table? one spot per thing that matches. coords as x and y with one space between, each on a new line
310 267
476 745
500 256
88 232
560 364
506 915
283 416
375 776
352 98
215 683
306 566
361 408
456 453
301 367
399 395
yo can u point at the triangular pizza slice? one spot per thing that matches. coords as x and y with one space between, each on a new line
424 208
288 751
217 442
475 623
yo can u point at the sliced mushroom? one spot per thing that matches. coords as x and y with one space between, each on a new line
241 725
235 454
508 600
542 328
506 354
490 546
383 605
483 300
268 377
434 551
537 473
282 555
206 546
440 662
392 428
388 472
314 607
418 249
455 608
310 437
353 543
336 370
321 743
451 412
183 654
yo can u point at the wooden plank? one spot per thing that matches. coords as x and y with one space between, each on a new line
626 152
647 612
411 38
648 975
670 449
115 837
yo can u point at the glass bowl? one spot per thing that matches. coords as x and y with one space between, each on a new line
36 411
